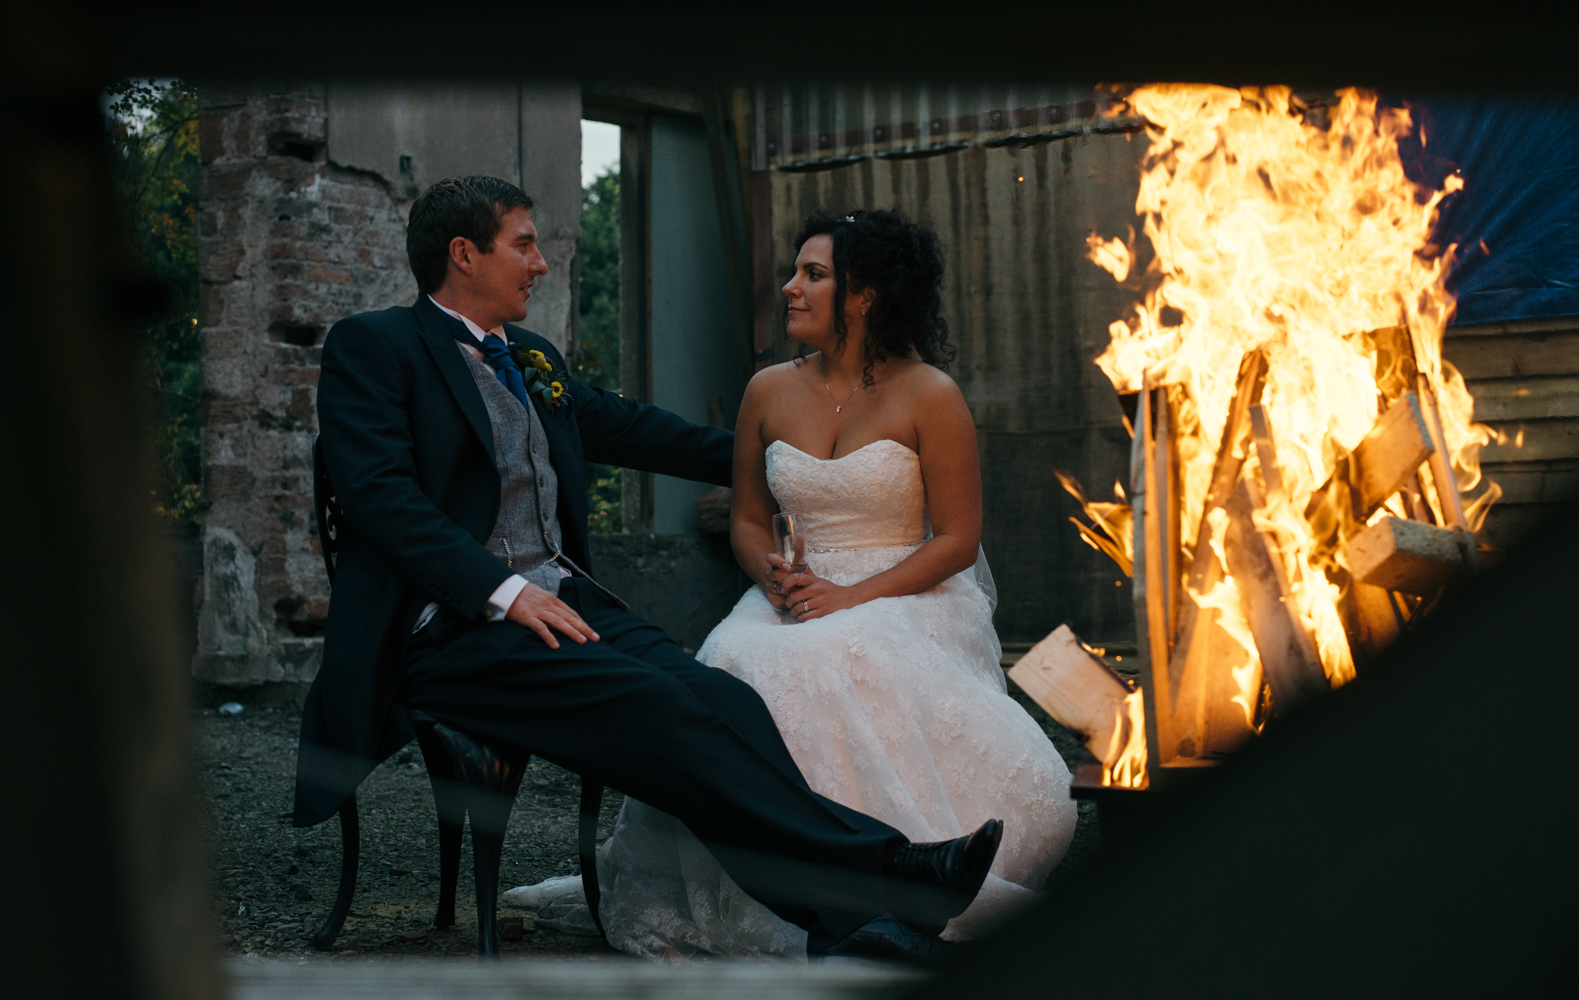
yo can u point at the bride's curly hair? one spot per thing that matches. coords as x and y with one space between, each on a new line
903 262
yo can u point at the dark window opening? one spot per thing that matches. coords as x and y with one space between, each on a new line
296 334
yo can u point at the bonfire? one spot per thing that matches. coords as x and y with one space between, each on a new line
1301 450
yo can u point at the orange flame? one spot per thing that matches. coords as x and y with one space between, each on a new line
1294 230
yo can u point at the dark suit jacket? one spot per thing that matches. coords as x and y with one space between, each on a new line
409 449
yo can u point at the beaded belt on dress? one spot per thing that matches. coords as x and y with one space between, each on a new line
864 548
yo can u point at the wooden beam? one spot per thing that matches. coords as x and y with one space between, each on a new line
1371 620
1199 643
1165 415
1526 398
1553 354
1407 556
1077 689
1390 454
1380 465
1206 720
1150 587
1288 656
1443 479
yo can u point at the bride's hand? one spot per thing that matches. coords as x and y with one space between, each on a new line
810 596
778 570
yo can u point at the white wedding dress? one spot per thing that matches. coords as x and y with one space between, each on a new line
896 707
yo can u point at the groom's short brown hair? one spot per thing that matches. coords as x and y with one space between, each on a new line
456 206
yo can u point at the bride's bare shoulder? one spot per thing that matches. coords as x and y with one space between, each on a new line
924 383
774 379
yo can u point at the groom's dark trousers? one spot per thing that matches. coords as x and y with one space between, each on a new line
409 448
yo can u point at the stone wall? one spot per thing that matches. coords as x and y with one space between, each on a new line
304 193
288 244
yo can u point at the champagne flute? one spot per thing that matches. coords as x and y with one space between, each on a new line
791 543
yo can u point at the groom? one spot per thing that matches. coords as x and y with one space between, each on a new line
463 588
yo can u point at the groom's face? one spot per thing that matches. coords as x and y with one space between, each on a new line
502 278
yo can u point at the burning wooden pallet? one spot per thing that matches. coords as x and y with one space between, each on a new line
1285 521
1390 528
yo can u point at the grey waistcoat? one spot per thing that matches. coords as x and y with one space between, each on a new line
526 536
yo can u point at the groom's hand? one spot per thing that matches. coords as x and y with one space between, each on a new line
538 610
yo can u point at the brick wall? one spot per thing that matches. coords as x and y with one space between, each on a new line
288 244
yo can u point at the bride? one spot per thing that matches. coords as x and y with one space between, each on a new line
878 661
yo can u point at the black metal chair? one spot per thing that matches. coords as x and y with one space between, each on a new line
470 779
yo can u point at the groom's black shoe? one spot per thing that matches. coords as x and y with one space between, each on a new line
958 866
889 937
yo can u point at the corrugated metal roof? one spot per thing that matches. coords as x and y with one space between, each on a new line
813 126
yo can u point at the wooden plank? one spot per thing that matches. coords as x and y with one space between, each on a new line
1536 441
1076 688
1381 464
1370 620
1206 720
1514 357
1151 590
1513 327
1406 556
1445 482
1526 399
1288 656
1251 382
1199 642
1266 451
1387 456
1140 582
1167 483
1524 484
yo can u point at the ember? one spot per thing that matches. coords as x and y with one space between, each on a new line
1300 446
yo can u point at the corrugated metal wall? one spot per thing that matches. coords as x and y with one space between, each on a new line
1029 314
813 126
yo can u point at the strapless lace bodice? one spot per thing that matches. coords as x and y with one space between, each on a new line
871 498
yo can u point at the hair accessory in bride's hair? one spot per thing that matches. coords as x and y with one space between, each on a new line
849 218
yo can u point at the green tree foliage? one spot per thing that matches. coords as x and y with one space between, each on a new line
598 348
152 130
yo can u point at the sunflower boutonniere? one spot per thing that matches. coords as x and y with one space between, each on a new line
538 372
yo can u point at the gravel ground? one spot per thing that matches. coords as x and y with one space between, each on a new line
274 884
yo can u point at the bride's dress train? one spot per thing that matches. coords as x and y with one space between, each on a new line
896 707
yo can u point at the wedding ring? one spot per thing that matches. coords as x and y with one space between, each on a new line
805 608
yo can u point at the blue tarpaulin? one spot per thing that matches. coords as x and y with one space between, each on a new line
1516 222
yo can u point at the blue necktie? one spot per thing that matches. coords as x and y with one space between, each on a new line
504 367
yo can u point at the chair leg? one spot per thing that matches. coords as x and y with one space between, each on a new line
591 805
486 851
449 800
350 853
491 780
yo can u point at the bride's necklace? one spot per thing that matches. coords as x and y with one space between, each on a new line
838 405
